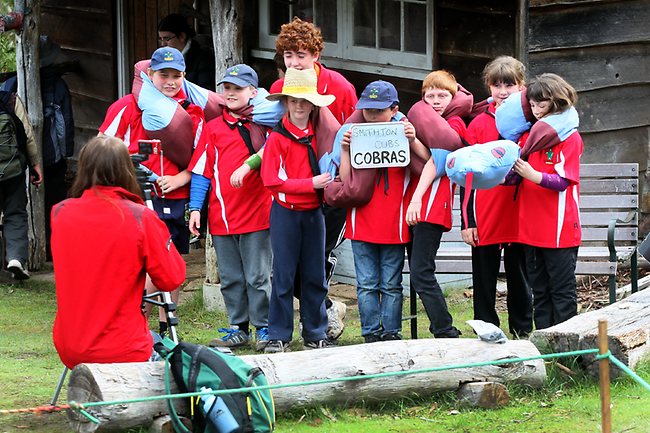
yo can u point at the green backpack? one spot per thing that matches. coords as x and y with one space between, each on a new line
195 367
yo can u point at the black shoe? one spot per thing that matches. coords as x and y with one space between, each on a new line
371 338
453 333
319 344
393 336
17 269
277 346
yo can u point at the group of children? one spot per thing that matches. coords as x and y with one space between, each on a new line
267 213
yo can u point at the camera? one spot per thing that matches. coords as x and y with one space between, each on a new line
144 175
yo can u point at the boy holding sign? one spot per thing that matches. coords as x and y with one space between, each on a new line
377 230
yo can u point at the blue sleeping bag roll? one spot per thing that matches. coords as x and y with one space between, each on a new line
488 163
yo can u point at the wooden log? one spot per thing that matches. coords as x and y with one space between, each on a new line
109 382
628 325
487 395
164 424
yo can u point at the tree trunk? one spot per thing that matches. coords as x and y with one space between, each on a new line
227 35
96 382
28 71
628 331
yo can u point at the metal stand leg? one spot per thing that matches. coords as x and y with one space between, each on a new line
57 391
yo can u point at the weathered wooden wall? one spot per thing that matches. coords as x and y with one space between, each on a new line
601 48
469 34
84 29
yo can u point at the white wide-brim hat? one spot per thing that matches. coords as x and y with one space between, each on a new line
302 84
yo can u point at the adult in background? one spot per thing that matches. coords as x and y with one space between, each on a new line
99 287
175 32
58 128
18 149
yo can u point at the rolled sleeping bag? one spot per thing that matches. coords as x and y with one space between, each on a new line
163 118
485 164
514 116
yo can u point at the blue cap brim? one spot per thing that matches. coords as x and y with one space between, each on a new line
377 105
171 65
236 81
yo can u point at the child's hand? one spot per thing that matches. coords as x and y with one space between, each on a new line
470 236
237 177
525 170
321 180
409 131
195 222
170 183
345 142
413 213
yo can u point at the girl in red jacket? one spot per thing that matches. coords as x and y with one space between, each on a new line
99 287
549 217
290 171
492 216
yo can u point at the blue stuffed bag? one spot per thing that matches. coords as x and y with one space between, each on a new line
482 166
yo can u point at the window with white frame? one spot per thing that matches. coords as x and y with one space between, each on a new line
388 32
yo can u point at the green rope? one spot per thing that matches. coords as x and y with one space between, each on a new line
595 352
339 379
627 370
607 354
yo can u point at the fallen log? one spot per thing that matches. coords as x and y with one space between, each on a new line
109 382
628 333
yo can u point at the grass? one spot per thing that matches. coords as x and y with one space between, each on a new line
29 370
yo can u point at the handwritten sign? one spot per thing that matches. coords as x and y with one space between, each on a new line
378 145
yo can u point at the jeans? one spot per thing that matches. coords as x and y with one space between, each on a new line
379 286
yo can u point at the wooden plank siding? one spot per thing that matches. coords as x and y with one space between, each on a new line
601 48
92 86
469 34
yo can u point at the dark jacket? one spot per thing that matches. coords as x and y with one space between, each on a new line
199 64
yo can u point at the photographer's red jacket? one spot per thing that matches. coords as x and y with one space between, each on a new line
103 245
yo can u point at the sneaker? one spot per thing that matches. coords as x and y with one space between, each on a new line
319 344
277 346
371 338
16 268
234 337
261 338
391 337
453 333
335 316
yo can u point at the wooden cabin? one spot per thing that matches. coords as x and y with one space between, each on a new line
599 46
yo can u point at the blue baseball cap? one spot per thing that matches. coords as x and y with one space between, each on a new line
378 95
167 57
240 75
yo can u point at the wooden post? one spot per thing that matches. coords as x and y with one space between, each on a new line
605 397
28 71
226 17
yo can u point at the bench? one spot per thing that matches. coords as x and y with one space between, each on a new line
609 200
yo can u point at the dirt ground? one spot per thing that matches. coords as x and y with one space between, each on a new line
593 292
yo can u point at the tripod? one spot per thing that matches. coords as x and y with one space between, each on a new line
144 177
